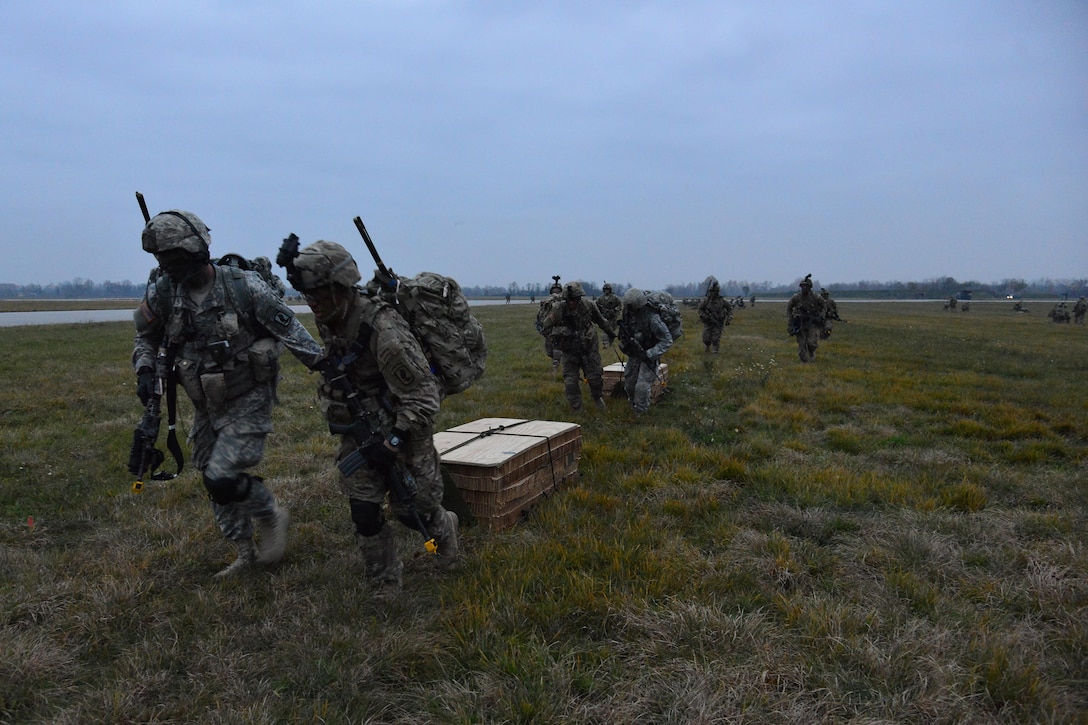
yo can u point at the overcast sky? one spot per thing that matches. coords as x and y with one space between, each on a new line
647 143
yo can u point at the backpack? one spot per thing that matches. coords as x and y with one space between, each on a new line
451 338
260 265
665 305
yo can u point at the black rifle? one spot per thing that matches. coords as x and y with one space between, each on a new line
385 275
143 207
144 458
401 483
629 345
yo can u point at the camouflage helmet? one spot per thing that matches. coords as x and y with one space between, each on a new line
807 281
176 229
322 264
573 291
233 260
713 285
634 298
607 288
555 289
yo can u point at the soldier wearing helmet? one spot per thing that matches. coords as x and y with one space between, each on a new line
644 337
610 305
224 328
570 324
368 341
806 314
1079 309
715 313
555 292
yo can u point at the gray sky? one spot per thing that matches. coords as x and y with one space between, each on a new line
648 143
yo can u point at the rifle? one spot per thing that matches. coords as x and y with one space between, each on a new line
401 483
630 346
144 458
143 207
385 275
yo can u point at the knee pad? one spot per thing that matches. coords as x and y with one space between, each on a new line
367 517
228 490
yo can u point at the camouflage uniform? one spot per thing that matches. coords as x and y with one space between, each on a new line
228 337
1059 313
570 324
806 313
1079 309
645 338
831 314
546 306
715 313
610 305
369 342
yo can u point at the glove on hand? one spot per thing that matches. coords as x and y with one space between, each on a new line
381 457
145 384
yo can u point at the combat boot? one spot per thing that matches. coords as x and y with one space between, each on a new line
446 537
273 535
599 402
247 558
383 564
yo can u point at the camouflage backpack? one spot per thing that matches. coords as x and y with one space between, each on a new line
451 338
663 303
260 265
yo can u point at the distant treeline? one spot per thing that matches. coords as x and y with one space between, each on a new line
937 288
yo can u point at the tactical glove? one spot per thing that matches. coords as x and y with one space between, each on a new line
382 454
145 384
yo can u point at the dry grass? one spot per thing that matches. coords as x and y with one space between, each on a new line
895 534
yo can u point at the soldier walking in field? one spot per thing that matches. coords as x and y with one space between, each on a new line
570 325
1079 309
832 313
224 327
644 337
546 306
371 346
715 313
609 304
805 314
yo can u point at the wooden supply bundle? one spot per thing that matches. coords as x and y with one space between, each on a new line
502 466
613 381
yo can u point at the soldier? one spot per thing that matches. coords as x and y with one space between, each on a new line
715 312
224 327
806 313
570 325
644 337
832 313
952 304
1059 313
1079 309
370 343
546 305
609 304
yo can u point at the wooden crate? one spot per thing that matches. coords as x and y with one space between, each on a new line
501 466
613 381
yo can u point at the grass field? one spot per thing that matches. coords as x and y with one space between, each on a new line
896 533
